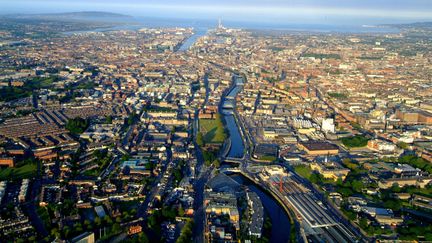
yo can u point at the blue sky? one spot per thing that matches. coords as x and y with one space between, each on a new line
296 11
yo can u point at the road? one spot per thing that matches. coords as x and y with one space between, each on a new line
202 174
142 210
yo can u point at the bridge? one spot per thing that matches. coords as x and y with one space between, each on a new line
232 170
234 160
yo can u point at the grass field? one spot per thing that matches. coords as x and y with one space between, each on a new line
303 171
357 141
268 158
25 171
212 130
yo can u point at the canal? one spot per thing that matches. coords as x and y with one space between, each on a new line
237 146
280 231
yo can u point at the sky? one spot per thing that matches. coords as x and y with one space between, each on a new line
289 11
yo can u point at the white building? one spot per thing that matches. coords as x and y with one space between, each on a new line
328 125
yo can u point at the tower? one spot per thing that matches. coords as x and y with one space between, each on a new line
220 26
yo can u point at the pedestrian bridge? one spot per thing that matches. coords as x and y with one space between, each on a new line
232 170
233 160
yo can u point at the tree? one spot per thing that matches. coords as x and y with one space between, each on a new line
87 224
98 221
116 228
186 232
177 174
200 139
180 211
169 213
363 223
357 186
55 232
393 204
350 214
125 157
315 178
78 227
216 163
346 192
402 145
349 164
132 118
77 125
339 182
152 221
118 219
66 231
142 237
108 220
355 141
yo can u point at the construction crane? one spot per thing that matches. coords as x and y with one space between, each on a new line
279 184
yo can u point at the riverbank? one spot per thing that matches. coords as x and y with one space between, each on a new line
283 226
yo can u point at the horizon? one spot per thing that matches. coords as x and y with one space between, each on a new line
334 12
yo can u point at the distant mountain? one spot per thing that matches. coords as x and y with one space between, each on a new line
76 15
92 14
425 25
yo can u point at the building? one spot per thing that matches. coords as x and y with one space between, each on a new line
257 214
86 237
23 190
135 229
380 145
330 169
401 182
319 148
382 215
412 116
422 202
7 161
328 125
136 167
3 185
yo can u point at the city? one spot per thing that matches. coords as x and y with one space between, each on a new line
114 130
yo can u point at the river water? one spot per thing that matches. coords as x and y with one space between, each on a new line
280 231
191 40
237 146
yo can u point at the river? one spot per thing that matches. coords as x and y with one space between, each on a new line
280 231
192 39
237 146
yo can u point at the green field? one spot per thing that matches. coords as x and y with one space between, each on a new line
356 141
25 171
303 171
322 56
338 95
212 130
268 158
11 93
